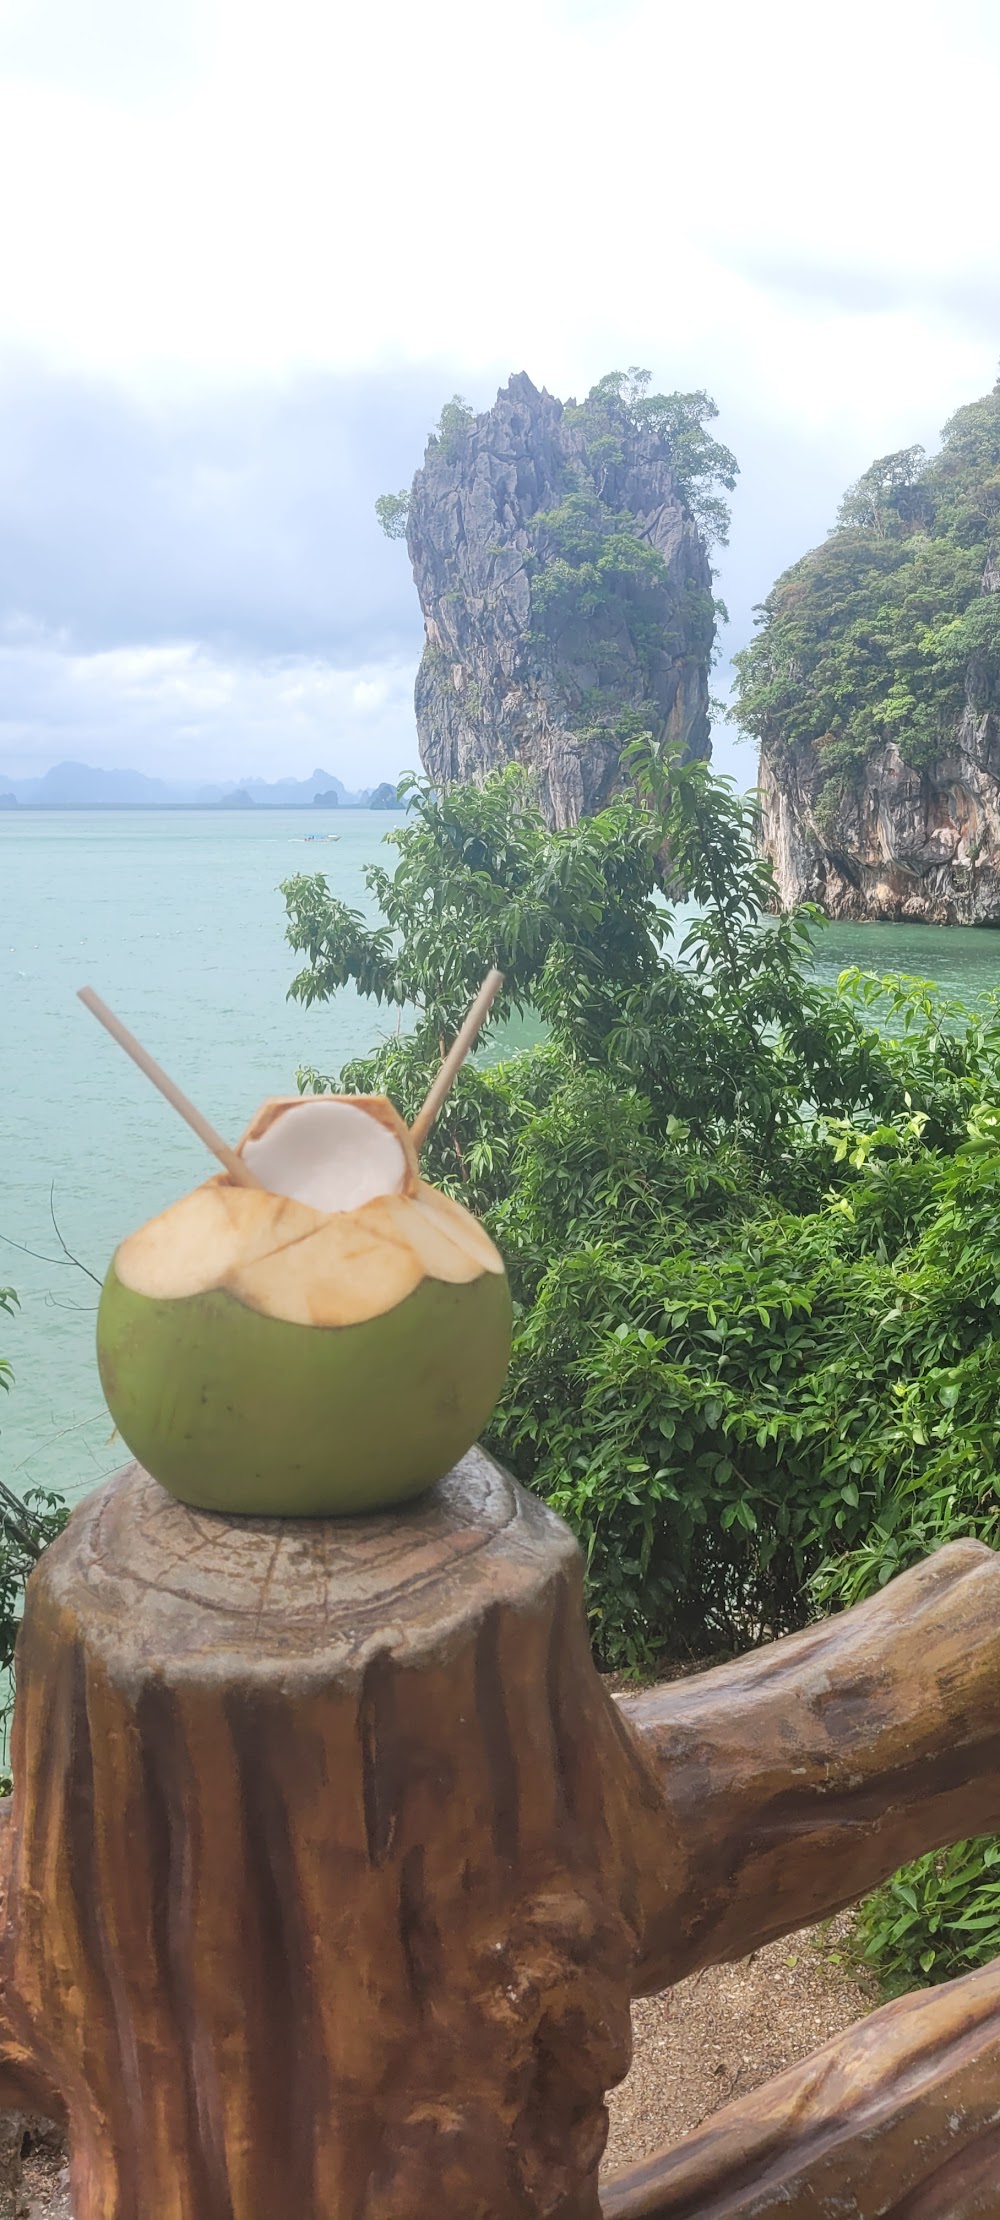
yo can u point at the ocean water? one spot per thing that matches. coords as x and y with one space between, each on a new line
176 919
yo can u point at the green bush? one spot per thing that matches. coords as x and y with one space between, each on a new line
752 1226
937 1918
750 1221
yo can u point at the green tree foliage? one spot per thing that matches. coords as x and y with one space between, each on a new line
746 1217
700 464
752 1226
392 511
888 499
875 635
452 425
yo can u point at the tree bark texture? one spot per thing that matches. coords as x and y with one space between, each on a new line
332 1868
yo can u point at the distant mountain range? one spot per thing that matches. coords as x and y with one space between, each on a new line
80 786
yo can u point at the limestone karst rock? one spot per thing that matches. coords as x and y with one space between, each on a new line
902 842
873 686
893 839
554 666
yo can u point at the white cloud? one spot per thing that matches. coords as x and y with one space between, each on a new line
370 694
335 188
224 205
182 712
573 176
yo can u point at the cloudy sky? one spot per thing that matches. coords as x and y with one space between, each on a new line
249 246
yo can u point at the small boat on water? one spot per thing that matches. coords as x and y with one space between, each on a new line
320 836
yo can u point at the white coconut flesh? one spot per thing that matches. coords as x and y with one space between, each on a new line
328 1153
343 1231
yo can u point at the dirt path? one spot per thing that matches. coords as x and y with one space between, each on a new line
724 2032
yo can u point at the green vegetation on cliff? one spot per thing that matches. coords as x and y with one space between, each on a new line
700 464
593 572
596 578
891 627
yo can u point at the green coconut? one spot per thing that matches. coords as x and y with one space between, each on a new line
330 1341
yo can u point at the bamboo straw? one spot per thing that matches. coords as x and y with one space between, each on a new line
456 1056
234 1164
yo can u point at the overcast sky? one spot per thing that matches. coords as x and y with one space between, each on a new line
249 246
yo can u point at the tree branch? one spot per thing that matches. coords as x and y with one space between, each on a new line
797 1778
896 2119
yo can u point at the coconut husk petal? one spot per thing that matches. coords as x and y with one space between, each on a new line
341 1273
427 1236
194 1244
291 1261
461 1227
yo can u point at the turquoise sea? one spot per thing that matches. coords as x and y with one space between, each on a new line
176 919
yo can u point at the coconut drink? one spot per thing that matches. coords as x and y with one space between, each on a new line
316 1329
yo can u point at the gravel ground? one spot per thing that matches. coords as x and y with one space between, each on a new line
713 2038
45 2186
724 2032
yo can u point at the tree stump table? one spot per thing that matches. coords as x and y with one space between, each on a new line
332 1868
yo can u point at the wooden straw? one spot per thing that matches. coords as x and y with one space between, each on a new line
456 1056
234 1164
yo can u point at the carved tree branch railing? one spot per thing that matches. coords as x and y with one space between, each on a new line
899 2118
332 1869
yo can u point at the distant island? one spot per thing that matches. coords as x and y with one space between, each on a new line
82 786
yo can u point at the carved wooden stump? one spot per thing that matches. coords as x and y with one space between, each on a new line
325 1861
332 1868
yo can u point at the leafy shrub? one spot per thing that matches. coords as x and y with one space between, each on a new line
752 1227
750 1222
935 1919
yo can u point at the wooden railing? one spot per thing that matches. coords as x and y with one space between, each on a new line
332 1869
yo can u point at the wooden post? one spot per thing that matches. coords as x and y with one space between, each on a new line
325 1861
332 1867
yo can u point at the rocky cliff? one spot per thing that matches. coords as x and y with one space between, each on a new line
874 689
894 839
566 595
900 842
